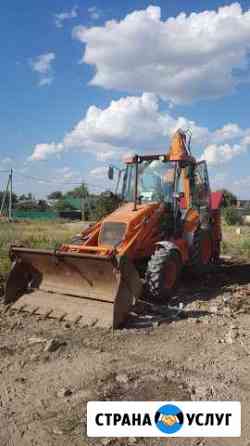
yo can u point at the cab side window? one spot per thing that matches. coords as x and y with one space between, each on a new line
200 186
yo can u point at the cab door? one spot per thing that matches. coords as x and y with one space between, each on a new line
200 188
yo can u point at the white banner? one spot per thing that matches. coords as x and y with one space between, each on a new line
163 419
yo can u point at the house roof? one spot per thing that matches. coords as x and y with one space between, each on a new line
74 202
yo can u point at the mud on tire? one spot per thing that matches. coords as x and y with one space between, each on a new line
201 252
162 274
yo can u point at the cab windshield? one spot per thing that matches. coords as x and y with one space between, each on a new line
156 181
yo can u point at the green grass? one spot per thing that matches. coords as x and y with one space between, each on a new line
236 244
35 234
49 234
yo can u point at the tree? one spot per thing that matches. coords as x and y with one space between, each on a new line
231 216
79 192
229 199
27 197
105 203
55 195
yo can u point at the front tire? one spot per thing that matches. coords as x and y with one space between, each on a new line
162 274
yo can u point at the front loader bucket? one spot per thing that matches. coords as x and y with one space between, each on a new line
90 289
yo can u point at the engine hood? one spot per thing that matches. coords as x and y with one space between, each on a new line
124 222
126 214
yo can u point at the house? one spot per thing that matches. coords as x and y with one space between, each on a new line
243 204
73 208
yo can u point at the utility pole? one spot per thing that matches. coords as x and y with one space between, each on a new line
83 201
10 193
5 196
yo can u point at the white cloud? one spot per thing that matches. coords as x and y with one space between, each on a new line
240 187
66 173
94 13
44 151
219 154
6 161
43 66
246 139
184 58
63 170
243 182
137 124
45 81
219 180
60 18
228 132
99 172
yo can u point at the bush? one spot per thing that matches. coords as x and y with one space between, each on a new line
105 203
229 199
231 216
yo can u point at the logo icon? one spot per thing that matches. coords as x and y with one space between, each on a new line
169 419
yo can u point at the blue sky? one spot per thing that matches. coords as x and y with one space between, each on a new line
166 65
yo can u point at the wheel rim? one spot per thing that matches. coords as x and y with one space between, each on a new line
170 274
206 251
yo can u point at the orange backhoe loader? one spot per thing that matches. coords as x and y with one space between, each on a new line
168 219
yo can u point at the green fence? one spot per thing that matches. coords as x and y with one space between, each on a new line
34 215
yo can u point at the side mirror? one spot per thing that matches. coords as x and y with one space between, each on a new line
111 172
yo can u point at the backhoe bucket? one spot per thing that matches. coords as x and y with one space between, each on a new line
85 288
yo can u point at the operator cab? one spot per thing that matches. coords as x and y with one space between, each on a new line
175 178
156 181
162 180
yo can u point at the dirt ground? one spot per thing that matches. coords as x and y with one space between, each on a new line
50 369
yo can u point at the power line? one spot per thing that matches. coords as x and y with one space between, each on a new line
53 182
57 183
42 179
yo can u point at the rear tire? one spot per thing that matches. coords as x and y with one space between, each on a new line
217 252
201 252
162 274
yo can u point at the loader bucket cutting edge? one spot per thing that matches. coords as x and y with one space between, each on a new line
72 286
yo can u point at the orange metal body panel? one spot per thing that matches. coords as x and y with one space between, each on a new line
178 149
142 232
192 219
187 190
141 235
